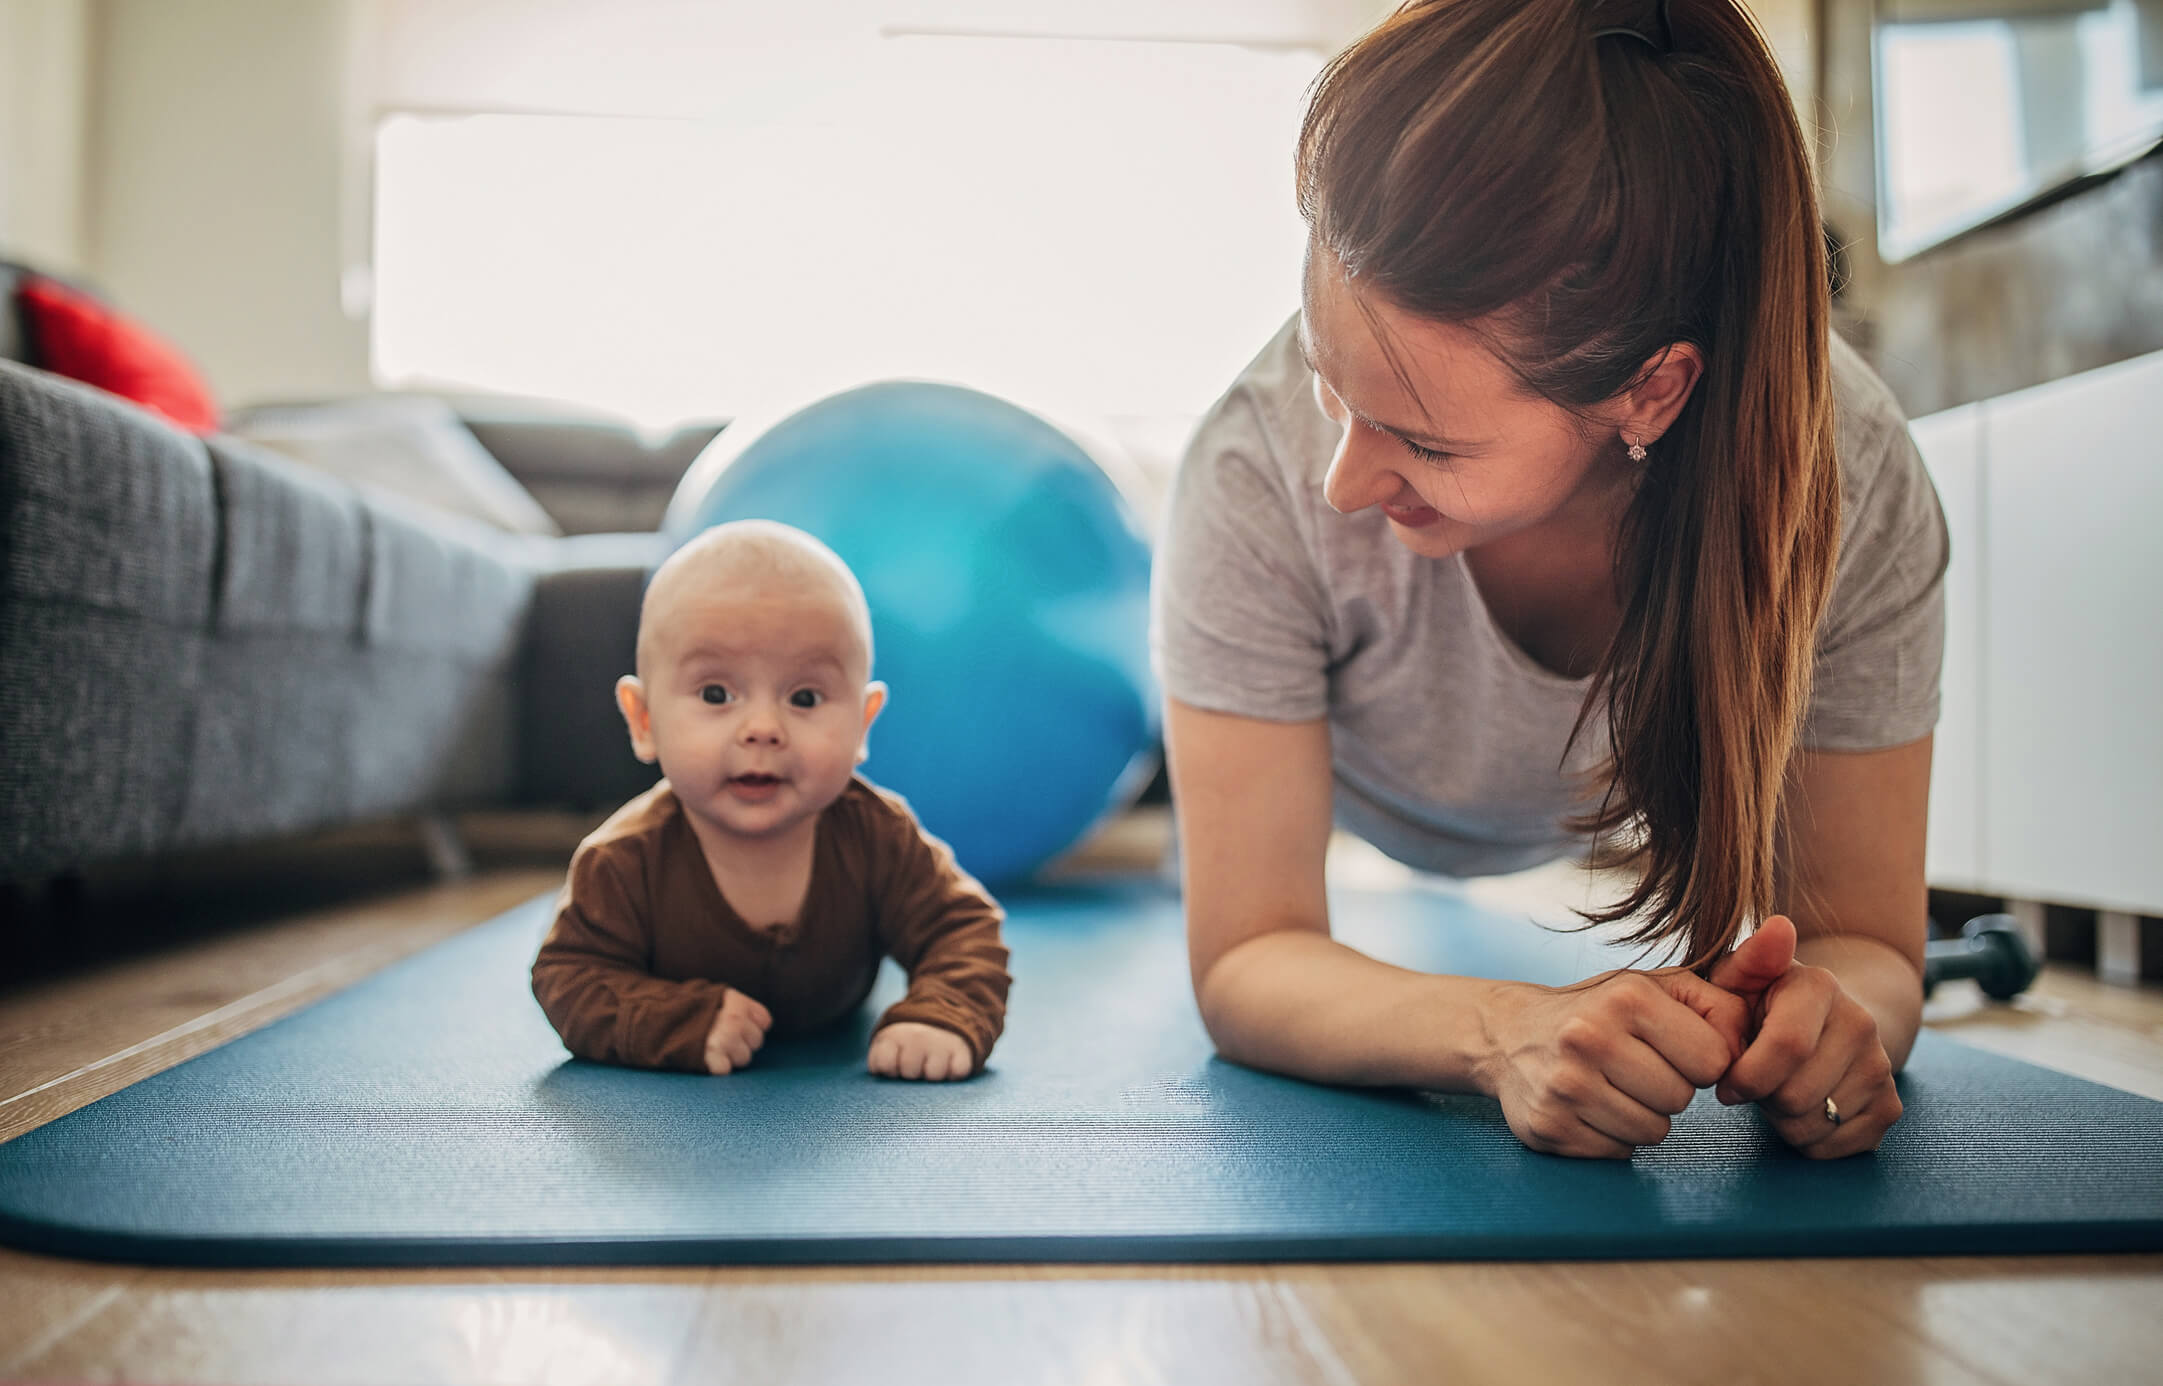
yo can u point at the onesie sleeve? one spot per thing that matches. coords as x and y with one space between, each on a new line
591 976
943 928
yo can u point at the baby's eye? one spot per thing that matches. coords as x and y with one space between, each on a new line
806 698
715 693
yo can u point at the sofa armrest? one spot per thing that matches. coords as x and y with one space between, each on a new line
581 636
593 474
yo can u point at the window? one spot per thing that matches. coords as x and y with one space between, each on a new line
1096 227
1981 116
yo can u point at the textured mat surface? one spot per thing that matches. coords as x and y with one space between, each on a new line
428 1115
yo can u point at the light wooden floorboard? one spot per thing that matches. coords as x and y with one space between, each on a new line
70 1039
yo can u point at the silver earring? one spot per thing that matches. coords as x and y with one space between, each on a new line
1637 452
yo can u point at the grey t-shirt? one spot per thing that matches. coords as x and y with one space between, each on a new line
1446 737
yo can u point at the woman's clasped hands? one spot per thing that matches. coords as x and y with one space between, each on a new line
1601 1068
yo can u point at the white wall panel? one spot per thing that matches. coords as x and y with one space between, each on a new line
44 59
220 188
2073 639
1952 448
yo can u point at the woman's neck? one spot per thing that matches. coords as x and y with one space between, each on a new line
1552 588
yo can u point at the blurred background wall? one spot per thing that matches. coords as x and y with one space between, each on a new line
44 117
663 208
210 163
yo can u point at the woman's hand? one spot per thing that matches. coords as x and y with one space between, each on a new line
1598 1069
1815 1065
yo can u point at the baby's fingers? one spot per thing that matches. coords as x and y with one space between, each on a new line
746 1009
951 1062
724 1055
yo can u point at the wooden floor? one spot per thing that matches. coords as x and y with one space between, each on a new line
105 1007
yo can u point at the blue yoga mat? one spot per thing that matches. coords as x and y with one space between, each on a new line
429 1116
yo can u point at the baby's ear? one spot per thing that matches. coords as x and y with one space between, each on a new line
631 700
874 700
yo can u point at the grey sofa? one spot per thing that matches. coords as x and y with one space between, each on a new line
202 644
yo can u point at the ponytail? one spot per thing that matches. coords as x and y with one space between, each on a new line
1589 200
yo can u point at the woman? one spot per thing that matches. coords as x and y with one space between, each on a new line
1557 520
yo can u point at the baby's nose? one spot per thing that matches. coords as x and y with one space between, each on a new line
761 726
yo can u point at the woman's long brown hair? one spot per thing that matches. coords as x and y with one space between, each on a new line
1586 202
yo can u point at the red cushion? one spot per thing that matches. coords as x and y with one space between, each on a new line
76 336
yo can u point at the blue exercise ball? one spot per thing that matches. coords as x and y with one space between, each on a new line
1008 579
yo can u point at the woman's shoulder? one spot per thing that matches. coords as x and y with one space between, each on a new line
1268 415
1870 430
1879 642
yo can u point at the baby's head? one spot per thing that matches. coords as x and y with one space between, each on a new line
754 686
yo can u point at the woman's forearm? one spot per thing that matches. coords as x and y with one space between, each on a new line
1297 1002
1881 978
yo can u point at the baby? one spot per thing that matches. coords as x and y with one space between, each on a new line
758 884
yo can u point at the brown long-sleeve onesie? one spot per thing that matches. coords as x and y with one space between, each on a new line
644 943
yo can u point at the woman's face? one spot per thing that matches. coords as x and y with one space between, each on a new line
1462 457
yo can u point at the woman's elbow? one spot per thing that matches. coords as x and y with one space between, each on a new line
1224 994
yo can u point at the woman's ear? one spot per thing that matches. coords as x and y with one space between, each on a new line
874 701
1649 407
631 700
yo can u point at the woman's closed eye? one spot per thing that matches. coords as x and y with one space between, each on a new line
1425 454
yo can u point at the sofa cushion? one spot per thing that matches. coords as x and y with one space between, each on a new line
108 545
409 446
204 644
73 334
293 543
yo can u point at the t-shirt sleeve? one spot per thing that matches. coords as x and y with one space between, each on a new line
591 974
943 928
1239 619
1882 641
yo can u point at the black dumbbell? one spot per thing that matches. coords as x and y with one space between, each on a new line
1991 949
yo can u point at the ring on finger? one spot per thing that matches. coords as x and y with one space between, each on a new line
1832 1111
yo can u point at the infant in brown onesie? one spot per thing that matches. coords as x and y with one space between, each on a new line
759 883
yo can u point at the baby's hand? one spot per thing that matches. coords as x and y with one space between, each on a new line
739 1028
909 1049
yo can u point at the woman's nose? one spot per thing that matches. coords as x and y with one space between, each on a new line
1359 476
